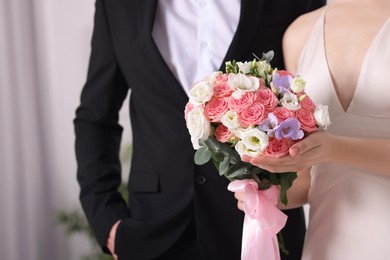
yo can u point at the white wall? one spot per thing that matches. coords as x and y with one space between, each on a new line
44 51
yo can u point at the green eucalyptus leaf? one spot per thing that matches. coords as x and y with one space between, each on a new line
285 180
216 164
268 56
212 144
202 156
237 170
224 166
217 156
231 153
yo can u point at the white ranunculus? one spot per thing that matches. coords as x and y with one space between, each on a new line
298 84
321 114
239 131
201 92
243 82
198 126
243 150
230 120
253 142
262 66
245 67
290 101
255 139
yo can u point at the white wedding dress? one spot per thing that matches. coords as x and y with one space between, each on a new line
349 215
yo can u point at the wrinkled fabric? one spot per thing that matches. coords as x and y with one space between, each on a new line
263 220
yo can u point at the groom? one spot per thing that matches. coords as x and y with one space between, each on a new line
176 210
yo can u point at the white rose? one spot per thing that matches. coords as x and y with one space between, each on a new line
321 114
230 120
298 84
201 92
290 101
245 67
211 77
241 83
198 126
253 142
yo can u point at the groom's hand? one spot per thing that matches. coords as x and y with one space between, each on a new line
240 197
111 239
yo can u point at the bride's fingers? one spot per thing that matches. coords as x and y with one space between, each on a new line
240 205
261 160
240 196
311 142
282 168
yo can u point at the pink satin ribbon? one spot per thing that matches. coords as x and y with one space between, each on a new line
263 220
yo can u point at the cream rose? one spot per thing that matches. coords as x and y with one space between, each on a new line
201 92
231 120
298 84
198 126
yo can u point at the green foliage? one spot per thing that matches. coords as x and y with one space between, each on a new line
74 222
229 164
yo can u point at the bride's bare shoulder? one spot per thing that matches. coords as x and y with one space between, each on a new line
296 35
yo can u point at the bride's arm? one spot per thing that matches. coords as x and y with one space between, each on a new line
364 153
298 193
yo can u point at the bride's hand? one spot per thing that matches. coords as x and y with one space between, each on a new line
314 149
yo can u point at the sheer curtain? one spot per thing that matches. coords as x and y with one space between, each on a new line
44 50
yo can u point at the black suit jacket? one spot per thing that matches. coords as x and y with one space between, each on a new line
165 188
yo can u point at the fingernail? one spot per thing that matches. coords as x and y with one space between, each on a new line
293 151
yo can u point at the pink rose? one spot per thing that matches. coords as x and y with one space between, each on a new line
307 120
282 113
284 73
253 115
277 148
307 103
266 97
221 86
216 108
222 134
245 101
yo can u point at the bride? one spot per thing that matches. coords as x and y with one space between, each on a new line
343 52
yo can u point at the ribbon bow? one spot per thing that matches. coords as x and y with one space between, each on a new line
263 220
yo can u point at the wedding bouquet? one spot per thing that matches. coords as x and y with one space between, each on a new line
256 110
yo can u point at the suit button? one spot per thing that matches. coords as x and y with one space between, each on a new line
200 179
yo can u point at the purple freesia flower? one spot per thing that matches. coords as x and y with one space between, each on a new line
269 124
289 128
282 82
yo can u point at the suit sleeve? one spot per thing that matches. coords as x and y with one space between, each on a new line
98 133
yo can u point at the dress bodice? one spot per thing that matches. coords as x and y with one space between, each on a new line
349 217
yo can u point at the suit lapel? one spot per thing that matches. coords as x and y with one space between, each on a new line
250 16
148 12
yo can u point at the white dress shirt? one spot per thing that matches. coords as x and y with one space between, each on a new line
193 36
